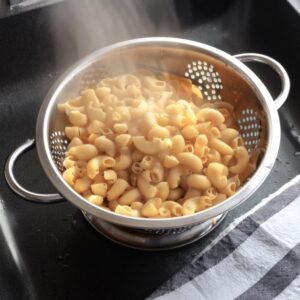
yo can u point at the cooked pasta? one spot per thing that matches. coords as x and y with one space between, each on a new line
148 145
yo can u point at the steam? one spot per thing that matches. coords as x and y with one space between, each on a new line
89 25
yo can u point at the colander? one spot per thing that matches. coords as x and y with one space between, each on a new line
220 76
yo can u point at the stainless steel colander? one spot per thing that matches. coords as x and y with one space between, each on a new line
220 76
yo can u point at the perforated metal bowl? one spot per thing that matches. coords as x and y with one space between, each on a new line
220 76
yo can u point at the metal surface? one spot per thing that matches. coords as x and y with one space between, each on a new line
16 187
58 146
153 240
248 122
50 251
205 76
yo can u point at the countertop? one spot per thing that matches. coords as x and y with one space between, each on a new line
50 251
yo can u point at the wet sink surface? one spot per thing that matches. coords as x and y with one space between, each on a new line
49 251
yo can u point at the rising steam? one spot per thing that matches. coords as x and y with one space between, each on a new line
90 25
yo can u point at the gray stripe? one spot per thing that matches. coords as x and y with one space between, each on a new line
231 241
277 279
292 291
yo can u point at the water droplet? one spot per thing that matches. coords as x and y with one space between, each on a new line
60 258
66 266
74 224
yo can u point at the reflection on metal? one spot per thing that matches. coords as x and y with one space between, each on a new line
154 240
295 4
9 240
28 4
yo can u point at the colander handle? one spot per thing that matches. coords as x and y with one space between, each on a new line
275 65
15 185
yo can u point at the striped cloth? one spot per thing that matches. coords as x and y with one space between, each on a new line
256 257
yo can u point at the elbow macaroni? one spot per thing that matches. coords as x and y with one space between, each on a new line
141 148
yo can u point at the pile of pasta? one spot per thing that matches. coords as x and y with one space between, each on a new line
148 145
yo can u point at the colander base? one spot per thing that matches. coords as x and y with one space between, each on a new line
152 240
